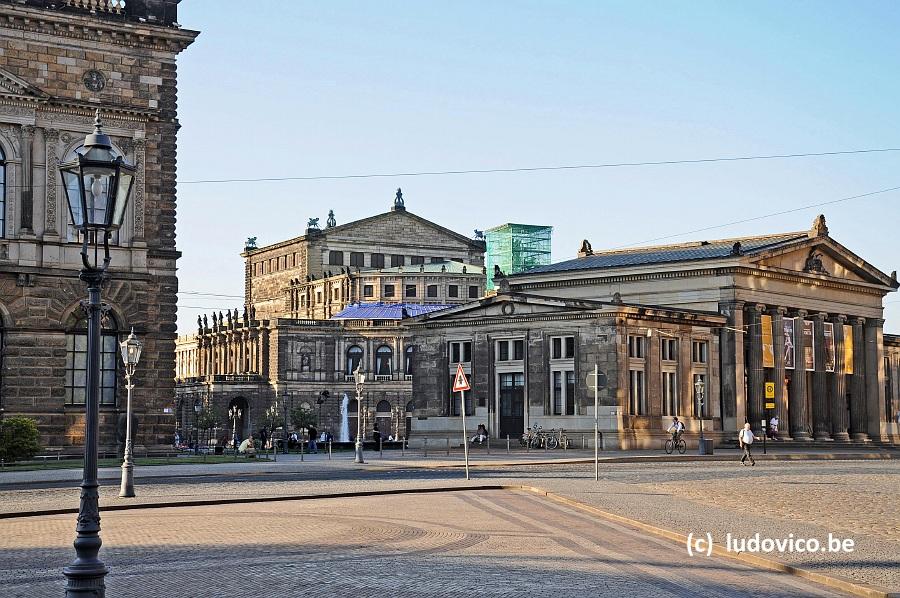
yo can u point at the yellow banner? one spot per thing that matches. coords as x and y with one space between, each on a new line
848 349
768 346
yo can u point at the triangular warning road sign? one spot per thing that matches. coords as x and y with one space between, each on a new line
460 383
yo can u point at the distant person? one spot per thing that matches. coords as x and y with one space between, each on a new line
676 429
745 439
480 434
376 435
773 427
313 436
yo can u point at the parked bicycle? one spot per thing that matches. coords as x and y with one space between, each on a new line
557 438
533 437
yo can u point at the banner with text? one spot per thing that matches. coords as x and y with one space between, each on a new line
768 346
789 351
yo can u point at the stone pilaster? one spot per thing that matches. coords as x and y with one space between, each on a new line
840 420
821 426
797 403
778 374
875 407
51 143
26 223
756 378
858 421
652 375
732 359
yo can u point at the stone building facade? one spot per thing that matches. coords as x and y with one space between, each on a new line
59 62
316 307
804 314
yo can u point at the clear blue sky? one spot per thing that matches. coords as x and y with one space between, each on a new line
278 88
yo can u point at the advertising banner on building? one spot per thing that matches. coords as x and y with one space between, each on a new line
829 347
789 351
809 346
768 346
848 349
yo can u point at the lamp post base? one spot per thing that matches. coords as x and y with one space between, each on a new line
127 488
359 453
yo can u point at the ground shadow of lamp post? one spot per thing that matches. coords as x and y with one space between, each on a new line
234 414
131 353
97 186
359 377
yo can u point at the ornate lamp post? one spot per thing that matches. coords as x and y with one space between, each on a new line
359 377
131 353
97 186
234 414
198 407
272 416
699 389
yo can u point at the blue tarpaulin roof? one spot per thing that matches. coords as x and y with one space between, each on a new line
386 311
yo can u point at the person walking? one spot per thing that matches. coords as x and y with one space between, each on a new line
745 439
313 436
773 427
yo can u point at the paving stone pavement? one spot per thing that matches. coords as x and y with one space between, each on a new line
469 543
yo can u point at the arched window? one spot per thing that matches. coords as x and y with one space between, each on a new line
354 358
384 419
383 407
408 360
2 194
352 417
76 363
71 233
410 407
383 358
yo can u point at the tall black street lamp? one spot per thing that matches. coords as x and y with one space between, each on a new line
272 417
131 354
97 186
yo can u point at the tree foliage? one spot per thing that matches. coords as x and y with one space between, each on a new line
303 417
19 439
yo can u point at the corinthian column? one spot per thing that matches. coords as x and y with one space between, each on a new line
839 418
876 411
858 422
755 392
777 314
797 407
821 428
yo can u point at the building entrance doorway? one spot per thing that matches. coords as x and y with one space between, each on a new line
512 405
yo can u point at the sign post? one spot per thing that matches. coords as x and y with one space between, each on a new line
770 404
597 380
461 385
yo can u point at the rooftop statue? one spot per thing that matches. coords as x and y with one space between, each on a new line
331 222
251 243
398 200
313 223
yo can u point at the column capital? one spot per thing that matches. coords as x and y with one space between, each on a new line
874 322
758 308
859 320
800 313
778 310
821 316
839 318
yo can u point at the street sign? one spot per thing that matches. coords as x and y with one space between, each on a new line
770 391
770 405
460 383
599 381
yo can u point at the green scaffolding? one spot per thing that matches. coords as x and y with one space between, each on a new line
516 248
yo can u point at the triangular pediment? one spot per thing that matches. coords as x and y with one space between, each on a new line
513 305
401 225
822 256
11 85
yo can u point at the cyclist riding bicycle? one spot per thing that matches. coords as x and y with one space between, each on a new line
677 429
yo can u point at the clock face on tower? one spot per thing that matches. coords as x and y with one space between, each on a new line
94 80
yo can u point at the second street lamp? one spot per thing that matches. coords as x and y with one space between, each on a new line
359 377
131 353
234 414
97 186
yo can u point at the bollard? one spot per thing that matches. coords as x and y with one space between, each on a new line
507 444
565 442
426 447
301 450
380 447
403 448
448 446
329 450
582 441
489 445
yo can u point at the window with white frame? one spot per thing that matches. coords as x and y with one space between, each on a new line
669 391
76 365
563 392
636 346
460 352
637 392
513 350
562 347
699 351
668 349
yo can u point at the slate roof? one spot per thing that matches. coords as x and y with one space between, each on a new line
386 311
700 250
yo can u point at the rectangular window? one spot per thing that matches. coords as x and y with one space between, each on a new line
700 350
368 290
473 292
570 393
636 396
460 352
416 260
76 368
502 350
377 260
557 393
388 290
669 393
318 296
564 392
668 349
335 293
432 290
453 291
636 346
397 261
357 258
518 350
410 290
562 347
436 260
